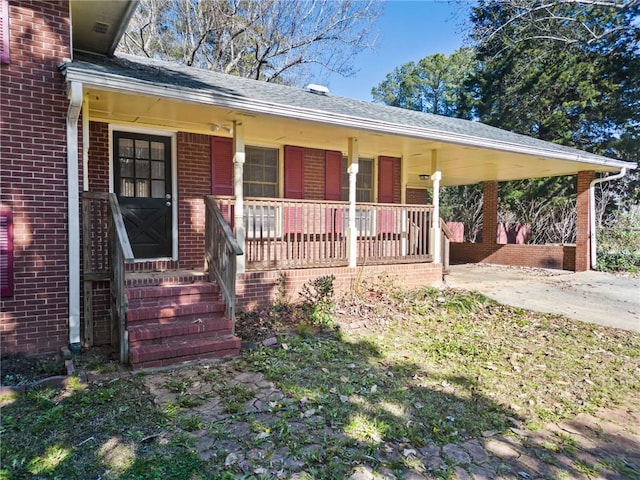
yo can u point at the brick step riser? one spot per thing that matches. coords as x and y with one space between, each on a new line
150 335
174 352
204 310
172 301
212 335
187 358
183 319
171 291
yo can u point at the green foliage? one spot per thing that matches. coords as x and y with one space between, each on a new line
432 85
619 243
566 73
318 301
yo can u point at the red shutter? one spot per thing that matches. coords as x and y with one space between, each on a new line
6 254
293 187
386 167
4 31
221 166
293 172
333 175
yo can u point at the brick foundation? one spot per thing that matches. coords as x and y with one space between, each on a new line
559 257
258 288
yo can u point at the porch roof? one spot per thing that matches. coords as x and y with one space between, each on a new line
173 96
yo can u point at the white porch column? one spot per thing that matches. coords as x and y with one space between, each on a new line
74 92
352 232
238 176
436 234
404 180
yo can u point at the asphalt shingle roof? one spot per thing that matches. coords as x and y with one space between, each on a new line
170 74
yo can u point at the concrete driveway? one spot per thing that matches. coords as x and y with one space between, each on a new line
596 297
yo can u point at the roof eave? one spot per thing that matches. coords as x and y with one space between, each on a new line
253 106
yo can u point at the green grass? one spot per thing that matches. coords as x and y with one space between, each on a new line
93 432
432 367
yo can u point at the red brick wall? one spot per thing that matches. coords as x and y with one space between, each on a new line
490 212
33 172
99 182
258 288
560 257
194 182
98 157
583 248
417 196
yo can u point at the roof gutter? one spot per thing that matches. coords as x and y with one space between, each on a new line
253 106
592 213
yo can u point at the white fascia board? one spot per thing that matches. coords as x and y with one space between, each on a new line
253 106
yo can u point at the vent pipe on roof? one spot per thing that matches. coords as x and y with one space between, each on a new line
317 89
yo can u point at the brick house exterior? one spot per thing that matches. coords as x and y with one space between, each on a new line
38 311
33 172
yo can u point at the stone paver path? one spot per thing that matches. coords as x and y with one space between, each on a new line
242 436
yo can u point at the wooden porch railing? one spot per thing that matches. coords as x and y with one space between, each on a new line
221 250
106 249
287 233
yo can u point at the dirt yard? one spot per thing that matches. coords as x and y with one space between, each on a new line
606 299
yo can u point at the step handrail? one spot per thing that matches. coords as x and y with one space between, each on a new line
221 249
120 253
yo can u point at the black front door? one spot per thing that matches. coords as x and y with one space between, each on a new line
142 182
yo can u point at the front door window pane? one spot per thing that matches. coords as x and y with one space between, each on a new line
157 188
142 149
142 188
157 151
126 187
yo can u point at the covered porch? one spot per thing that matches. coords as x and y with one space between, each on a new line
260 186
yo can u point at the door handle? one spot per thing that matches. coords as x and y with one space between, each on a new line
167 196
168 204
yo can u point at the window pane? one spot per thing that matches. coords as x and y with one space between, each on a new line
126 187
364 180
126 167
125 147
271 175
157 151
157 188
142 169
142 188
261 172
142 149
157 170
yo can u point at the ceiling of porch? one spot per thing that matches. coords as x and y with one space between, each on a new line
460 164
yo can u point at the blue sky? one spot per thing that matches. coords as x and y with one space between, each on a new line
409 31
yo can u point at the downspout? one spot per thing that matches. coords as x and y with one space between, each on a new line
592 213
74 93
85 143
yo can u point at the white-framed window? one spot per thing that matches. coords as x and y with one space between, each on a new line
365 219
260 172
364 180
260 179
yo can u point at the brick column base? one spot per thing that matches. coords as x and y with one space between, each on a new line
489 212
583 234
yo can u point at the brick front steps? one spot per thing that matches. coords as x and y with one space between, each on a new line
172 323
